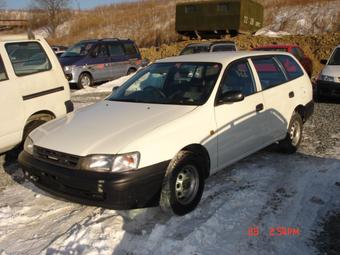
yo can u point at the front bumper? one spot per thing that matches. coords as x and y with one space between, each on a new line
121 191
327 88
309 110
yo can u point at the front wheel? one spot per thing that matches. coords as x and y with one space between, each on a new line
84 81
183 185
294 135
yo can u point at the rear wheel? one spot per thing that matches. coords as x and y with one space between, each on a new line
84 81
183 184
294 135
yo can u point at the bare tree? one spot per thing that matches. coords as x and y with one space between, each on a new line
55 10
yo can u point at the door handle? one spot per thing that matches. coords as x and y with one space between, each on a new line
291 94
259 107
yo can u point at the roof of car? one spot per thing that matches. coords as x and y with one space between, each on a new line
108 40
19 37
276 46
219 57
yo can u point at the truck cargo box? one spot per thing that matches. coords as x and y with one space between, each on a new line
218 17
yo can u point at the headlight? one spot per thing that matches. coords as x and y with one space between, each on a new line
29 145
69 68
327 78
110 163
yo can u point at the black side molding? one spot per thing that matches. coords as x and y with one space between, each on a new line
43 93
69 106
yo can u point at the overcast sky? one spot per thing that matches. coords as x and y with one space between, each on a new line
84 4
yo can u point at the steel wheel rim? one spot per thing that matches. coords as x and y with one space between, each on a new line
295 133
187 183
85 81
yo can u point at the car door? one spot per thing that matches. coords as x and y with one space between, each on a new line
11 111
278 95
119 60
99 63
239 124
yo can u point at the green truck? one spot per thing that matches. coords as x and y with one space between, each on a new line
218 17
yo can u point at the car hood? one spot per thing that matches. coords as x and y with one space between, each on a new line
106 127
331 70
68 61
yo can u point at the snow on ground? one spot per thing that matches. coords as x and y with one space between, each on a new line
105 87
270 33
265 190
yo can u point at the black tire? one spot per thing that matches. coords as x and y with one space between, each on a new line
85 80
294 135
172 200
131 71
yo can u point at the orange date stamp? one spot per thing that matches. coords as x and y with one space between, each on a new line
254 231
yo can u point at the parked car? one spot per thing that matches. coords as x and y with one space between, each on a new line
208 47
59 53
93 61
58 48
328 82
165 130
293 49
33 88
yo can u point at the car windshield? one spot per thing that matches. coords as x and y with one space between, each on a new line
80 49
170 83
192 49
335 58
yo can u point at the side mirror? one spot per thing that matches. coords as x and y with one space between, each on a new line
323 61
231 97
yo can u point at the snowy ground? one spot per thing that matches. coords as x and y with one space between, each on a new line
266 190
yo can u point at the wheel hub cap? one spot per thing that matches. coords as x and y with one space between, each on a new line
187 183
295 133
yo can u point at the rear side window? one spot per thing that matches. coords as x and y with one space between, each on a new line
292 69
116 50
131 50
28 58
3 74
269 72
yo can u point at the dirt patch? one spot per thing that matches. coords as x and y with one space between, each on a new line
317 47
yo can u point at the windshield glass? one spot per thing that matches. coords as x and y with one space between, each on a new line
80 49
170 83
335 58
195 49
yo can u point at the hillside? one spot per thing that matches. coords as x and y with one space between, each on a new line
151 22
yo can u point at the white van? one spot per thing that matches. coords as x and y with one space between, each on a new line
164 131
33 88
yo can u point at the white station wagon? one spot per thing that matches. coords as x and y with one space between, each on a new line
163 132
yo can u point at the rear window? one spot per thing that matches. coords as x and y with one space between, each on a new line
292 69
28 58
131 50
269 72
221 47
116 50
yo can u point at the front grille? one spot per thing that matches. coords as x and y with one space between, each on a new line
56 157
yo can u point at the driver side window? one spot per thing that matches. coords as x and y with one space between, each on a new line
238 77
